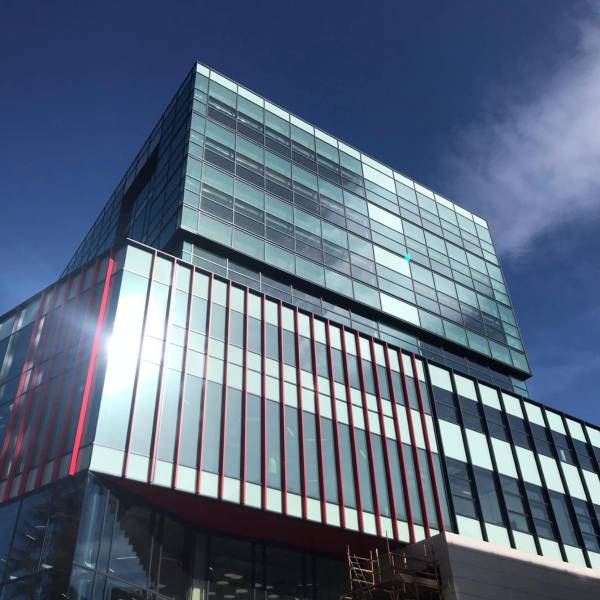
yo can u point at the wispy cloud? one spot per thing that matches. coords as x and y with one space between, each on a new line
532 166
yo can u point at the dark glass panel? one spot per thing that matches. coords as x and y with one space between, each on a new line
253 439
273 445
329 460
311 457
292 448
212 428
488 496
347 465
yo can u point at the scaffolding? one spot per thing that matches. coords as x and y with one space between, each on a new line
393 576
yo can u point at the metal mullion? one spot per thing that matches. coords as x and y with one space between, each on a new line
335 426
580 469
318 419
409 514
26 398
263 395
544 485
415 449
161 378
89 376
570 505
224 396
496 471
137 372
50 430
433 478
351 429
388 470
204 383
20 393
45 385
244 400
282 407
363 394
180 410
301 414
441 451
469 463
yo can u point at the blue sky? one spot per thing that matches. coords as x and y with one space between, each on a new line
492 104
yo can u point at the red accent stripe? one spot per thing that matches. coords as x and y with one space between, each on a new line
224 406
338 452
363 393
245 400
205 384
409 514
438 503
318 419
282 403
72 394
301 415
351 428
162 377
180 411
388 470
45 386
23 379
89 381
414 447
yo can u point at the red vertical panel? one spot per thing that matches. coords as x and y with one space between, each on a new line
89 380
23 378
388 470
318 419
409 514
438 503
368 434
181 415
45 386
301 415
73 387
132 411
265 457
414 447
51 425
282 405
205 384
22 401
224 401
245 399
351 427
162 377
336 432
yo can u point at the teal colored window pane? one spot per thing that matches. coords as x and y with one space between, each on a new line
457 254
366 294
250 109
198 123
406 192
414 232
447 214
279 208
500 352
330 191
433 241
334 234
248 244
189 219
467 296
250 150
279 165
355 203
478 342
191 198
216 90
338 283
303 137
351 163
476 263
427 203
192 184
431 322
218 179
455 333
444 285
328 151
277 123
494 272
309 270
304 177
194 168
519 360
220 134
422 275
249 194
514 342
215 230
279 257
360 246
201 82
487 305
466 224
307 221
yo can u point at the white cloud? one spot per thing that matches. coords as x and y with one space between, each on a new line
533 166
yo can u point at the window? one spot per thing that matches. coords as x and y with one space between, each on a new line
347 474
542 440
292 448
311 459
273 445
519 432
563 448
364 472
495 422
540 511
563 519
587 524
488 496
515 504
444 403
329 460
461 488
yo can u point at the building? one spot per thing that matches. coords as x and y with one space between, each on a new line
267 348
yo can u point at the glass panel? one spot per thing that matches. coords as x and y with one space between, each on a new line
292 448
347 465
488 496
233 433
273 446
212 428
311 459
253 439
329 460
